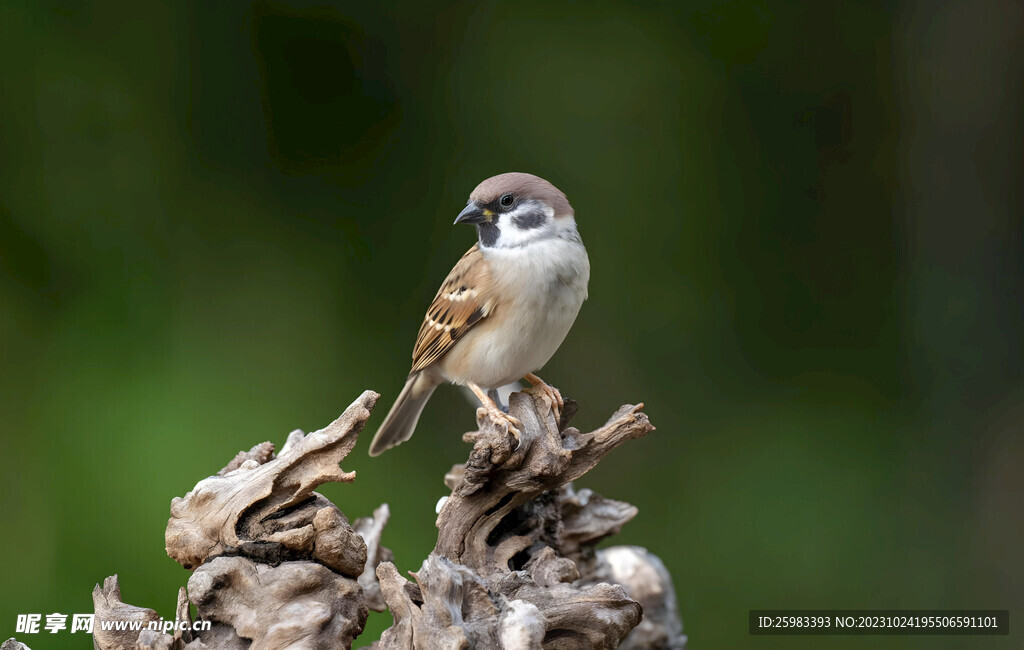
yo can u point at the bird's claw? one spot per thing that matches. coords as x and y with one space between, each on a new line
512 424
557 404
514 431
553 394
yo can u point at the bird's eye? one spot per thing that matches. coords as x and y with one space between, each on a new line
506 200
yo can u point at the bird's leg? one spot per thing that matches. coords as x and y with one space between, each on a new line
496 414
496 398
556 397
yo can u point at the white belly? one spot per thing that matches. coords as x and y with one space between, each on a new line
547 283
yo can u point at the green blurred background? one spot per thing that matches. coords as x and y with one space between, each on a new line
222 221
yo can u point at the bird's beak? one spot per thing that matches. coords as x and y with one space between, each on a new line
474 214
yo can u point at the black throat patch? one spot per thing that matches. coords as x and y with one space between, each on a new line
488 232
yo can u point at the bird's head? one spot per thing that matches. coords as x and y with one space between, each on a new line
515 209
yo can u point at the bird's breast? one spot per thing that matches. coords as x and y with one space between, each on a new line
537 292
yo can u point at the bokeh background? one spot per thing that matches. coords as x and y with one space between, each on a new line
222 221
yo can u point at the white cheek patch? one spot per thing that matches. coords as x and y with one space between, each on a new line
511 224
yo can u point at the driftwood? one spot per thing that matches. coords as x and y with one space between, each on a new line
276 565
514 565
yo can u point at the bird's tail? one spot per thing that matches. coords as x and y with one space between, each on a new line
401 420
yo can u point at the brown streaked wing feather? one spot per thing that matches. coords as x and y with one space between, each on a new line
458 305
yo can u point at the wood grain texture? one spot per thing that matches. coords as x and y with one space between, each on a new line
515 562
276 565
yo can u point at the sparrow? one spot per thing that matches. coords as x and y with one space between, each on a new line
506 306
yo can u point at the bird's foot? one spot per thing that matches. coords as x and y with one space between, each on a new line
498 416
512 423
552 393
496 398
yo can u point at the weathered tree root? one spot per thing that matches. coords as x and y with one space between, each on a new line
276 565
514 565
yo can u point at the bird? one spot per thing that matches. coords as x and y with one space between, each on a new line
504 308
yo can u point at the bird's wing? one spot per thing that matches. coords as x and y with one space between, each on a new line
460 304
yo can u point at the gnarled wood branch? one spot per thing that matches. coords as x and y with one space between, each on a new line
514 565
276 565
264 507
